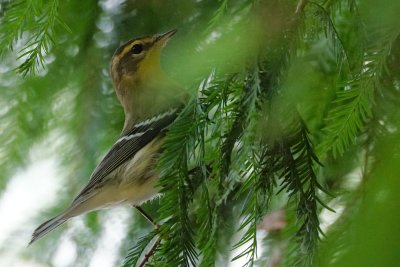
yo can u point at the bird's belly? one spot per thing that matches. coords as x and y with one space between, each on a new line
133 194
137 193
132 183
137 178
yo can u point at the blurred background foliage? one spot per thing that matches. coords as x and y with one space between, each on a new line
295 115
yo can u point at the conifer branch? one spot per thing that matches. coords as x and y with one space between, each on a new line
180 144
35 19
352 107
217 96
218 15
149 253
332 33
135 253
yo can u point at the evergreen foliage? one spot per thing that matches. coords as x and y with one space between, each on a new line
35 19
289 97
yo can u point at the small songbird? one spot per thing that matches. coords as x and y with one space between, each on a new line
151 101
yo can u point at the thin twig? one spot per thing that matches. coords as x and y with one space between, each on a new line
147 216
150 253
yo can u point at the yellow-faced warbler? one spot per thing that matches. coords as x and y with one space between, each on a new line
151 101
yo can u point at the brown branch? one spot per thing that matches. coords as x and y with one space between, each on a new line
150 252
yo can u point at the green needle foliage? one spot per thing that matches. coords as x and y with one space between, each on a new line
34 22
136 252
290 100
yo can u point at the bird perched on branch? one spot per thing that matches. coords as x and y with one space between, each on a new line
151 102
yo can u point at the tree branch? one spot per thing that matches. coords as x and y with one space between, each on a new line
150 253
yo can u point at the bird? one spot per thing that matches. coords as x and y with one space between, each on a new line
152 101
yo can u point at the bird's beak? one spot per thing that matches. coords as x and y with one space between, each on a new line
163 38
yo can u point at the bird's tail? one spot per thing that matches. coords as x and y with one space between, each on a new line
46 227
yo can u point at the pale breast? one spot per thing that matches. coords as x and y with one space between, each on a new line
139 175
133 182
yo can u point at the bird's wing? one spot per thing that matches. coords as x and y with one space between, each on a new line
127 146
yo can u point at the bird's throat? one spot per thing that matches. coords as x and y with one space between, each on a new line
145 98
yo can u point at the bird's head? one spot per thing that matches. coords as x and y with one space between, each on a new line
137 77
138 59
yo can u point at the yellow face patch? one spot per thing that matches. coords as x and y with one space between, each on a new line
149 63
140 62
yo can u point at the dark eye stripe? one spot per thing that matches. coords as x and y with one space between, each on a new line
122 47
146 41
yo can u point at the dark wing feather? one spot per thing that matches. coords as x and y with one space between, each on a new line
128 145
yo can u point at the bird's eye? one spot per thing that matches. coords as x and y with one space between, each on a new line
137 48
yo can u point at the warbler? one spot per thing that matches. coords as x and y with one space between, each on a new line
151 102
